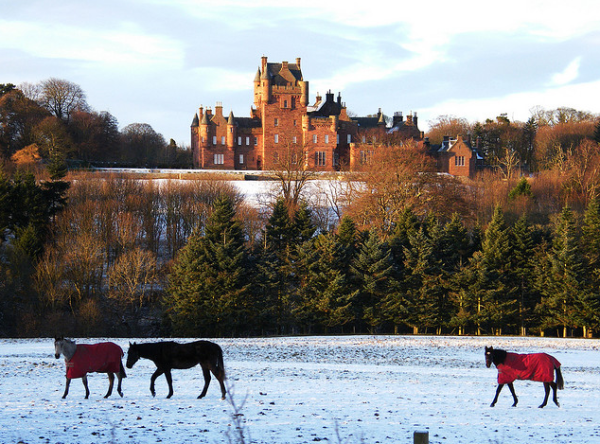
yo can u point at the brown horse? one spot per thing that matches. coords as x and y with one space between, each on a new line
87 358
169 355
535 367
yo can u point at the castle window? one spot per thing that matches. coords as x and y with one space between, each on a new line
320 158
459 161
295 139
349 138
285 103
239 140
337 139
364 139
326 138
222 140
315 138
255 141
214 140
295 122
276 121
276 138
219 159
365 157
241 159
247 141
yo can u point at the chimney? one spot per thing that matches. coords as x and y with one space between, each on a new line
219 109
263 63
284 65
298 62
415 118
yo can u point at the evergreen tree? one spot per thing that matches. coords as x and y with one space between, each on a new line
323 294
597 132
424 294
498 305
274 280
566 302
208 291
372 273
523 252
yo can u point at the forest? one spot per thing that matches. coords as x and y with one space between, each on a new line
394 248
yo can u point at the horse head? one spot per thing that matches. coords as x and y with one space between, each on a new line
133 355
64 346
495 356
489 356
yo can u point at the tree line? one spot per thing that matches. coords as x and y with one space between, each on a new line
53 118
117 256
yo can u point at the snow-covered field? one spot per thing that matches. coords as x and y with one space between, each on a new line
351 389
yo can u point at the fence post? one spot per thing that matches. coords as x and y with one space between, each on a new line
421 438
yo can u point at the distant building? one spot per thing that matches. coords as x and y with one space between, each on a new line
281 117
456 156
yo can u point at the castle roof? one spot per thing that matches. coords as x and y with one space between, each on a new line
196 121
282 73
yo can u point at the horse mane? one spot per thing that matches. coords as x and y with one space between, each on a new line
69 347
499 355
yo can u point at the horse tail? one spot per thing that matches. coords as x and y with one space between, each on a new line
220 365
560 383
122 371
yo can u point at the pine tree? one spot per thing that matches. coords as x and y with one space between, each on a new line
274 279
323 291
426 302
497 307
372 273
523 252
566 302
208 292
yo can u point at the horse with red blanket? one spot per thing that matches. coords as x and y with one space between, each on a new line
82 359
534 367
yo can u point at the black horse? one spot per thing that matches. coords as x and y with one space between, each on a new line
535 367
169 355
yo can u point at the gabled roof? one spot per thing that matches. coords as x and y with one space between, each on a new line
281 76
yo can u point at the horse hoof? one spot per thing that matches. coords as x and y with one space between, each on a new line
121 394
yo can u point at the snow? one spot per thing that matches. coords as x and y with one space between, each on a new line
347 389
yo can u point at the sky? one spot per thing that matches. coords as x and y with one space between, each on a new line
158 61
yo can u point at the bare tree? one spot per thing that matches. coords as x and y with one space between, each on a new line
131 277
289 166
62 97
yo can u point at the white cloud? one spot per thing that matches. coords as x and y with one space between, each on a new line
570 73
126 44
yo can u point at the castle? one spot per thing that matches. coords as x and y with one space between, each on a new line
282 121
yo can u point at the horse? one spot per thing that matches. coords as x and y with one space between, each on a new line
535 367
172 355
82 359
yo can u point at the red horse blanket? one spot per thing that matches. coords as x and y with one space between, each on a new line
535 367
102 358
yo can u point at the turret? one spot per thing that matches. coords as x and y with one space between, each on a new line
265 83
231 133
303 93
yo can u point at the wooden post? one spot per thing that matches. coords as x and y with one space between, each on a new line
421 438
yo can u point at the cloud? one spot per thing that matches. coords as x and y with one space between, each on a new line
570 73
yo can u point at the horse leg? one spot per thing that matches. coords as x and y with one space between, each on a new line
111 382
119 379
85 384
554 395
155 375
547 392
498 390
206 373
170 382
512 390
220 377
67 388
